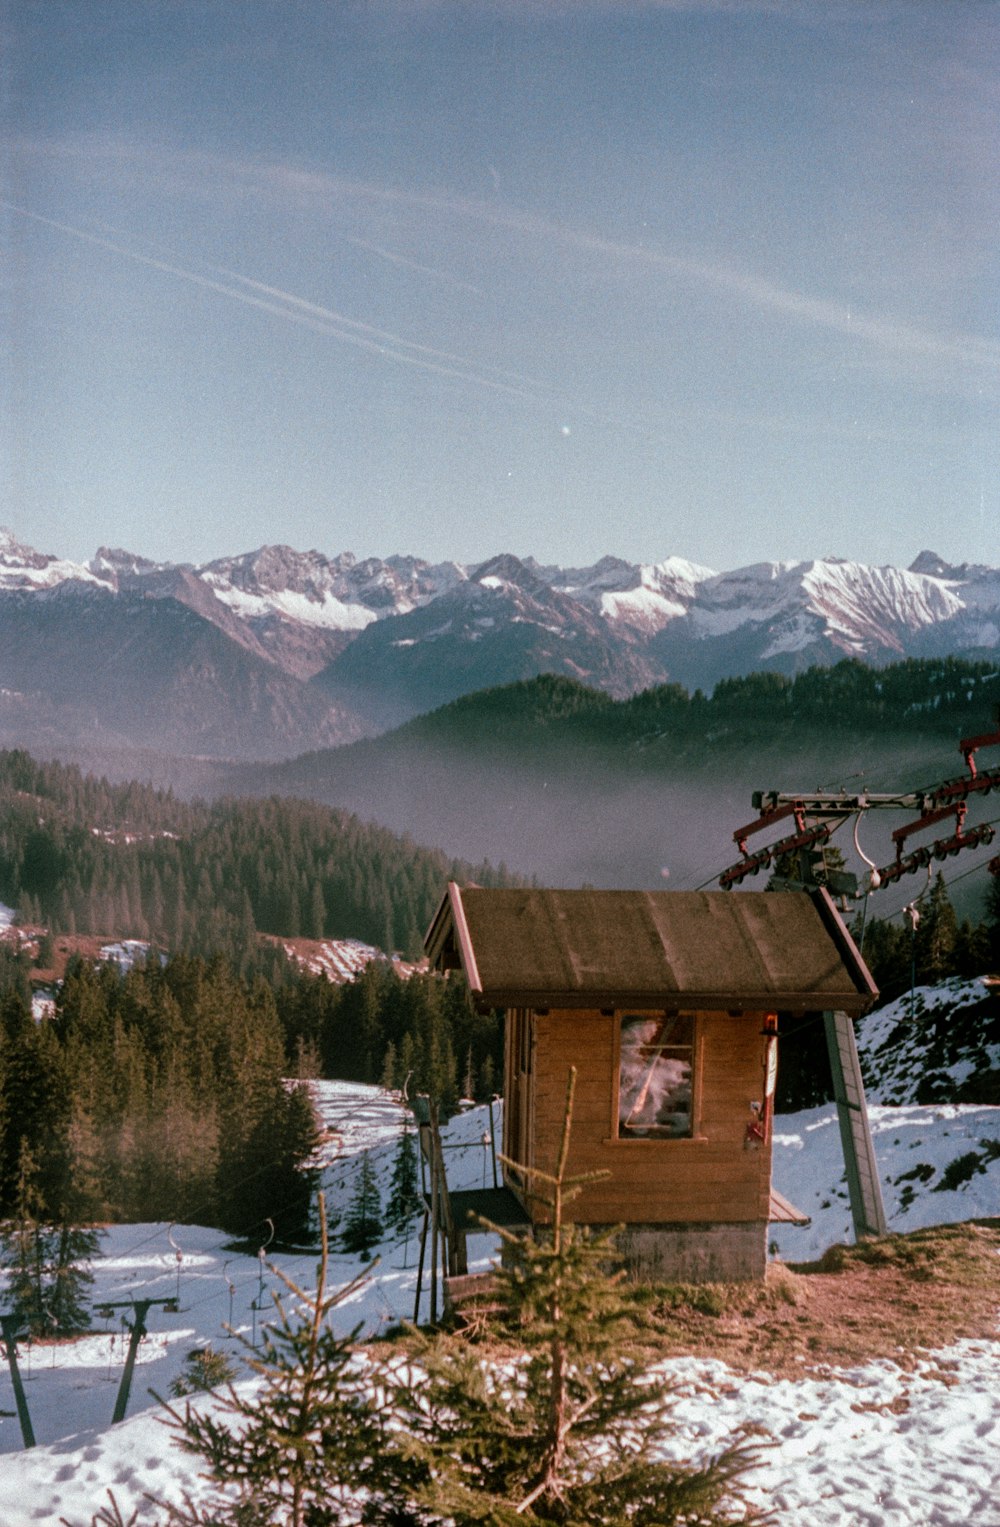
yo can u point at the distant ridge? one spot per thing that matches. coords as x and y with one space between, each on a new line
276 651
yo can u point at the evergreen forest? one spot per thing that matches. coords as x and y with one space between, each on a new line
80 855
163 1091
945 697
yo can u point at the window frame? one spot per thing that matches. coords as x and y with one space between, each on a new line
694 1135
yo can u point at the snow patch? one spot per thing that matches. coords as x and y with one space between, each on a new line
868 1444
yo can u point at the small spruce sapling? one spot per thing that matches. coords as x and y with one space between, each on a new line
309 1447
204 1369
362 1226
569 1433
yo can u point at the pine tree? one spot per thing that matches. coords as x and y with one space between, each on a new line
487 1078
992 926
570 1435
24 1249
310 1445
404 1197
937 934
363 1219
390 1068
317 912
47 1258
72 1249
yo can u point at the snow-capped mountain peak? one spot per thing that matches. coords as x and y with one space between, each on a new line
859 608
112 563
382 639
22 567
339 593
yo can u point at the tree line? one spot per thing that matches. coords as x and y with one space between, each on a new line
946 696
158 1093
163 1092
83 856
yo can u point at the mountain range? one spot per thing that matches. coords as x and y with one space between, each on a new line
274 652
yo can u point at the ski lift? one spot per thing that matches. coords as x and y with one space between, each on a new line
178 1258
231 1286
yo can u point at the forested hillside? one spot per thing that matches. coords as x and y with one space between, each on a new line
940 696
566 784
160 1092
84 856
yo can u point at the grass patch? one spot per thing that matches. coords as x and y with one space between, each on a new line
894 1297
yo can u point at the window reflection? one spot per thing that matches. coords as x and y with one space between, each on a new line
654 1083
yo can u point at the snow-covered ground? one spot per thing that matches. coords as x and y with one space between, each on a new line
868 1445
936 1041
920 1150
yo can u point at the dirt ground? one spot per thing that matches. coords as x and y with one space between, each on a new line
897 1297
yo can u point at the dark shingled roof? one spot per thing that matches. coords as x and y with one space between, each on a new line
708 949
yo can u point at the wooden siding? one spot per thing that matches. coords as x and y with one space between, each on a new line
710 1177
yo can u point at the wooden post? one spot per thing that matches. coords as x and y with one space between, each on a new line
434 1245
863 1185
493 1146
420 1267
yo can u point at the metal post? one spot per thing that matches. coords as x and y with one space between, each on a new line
141 1307
138 1331
10 1324
912 914
863 1185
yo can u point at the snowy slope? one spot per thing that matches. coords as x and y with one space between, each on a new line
872 1444
855 604
936 1043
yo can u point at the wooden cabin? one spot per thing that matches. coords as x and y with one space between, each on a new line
667 1003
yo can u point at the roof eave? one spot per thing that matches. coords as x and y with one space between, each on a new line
853 1003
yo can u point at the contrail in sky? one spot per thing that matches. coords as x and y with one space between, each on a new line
312 316
885 333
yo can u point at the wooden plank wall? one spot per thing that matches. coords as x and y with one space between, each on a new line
712 1177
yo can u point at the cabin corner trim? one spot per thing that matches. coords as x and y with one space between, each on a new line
466 952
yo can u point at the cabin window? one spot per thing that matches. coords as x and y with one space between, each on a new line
656 1056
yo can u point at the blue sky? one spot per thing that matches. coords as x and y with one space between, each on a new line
716 280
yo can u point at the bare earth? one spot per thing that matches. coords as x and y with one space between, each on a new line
898 1297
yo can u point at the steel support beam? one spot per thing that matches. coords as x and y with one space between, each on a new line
863 1184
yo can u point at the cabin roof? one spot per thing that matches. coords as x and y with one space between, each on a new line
750 950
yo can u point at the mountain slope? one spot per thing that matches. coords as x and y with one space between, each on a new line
791 616
501 624
381 640
83 664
